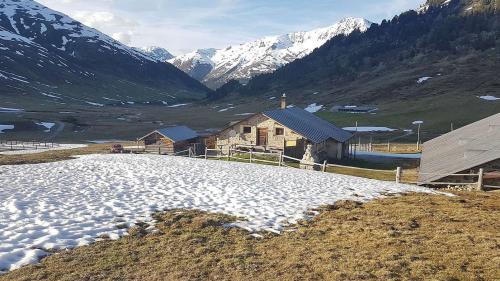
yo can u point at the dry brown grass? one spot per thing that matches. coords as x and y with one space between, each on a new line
53 156
412 237
397 148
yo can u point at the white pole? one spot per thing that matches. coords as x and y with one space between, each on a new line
418 137
480 179
398 175
206 149
324 166
281 159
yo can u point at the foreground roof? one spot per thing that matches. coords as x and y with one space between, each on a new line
178 133
308 125
462 149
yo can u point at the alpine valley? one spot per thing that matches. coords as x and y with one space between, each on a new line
438 64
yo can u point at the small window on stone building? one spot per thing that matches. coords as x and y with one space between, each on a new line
247 130
279 131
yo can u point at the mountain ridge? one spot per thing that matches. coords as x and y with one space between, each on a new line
215 67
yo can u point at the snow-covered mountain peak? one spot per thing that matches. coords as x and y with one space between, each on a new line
158 53
243 61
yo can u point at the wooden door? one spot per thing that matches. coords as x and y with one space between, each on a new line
261 136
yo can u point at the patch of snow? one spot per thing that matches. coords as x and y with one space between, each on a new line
50 96
94 103
369 129
47 125
423 79
5 127
244 114
489 98
71 203
10 110
314 107
43 28
178 105
226 109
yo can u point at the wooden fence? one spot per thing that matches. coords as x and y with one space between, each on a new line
282 160
11 145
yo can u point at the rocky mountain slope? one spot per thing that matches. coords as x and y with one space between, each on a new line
242 62
50 60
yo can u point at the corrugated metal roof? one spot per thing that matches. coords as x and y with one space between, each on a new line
460 150
178 133
308 125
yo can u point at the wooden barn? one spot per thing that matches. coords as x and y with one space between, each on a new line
170 140
289 130
464 151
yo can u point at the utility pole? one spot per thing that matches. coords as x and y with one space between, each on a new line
419 123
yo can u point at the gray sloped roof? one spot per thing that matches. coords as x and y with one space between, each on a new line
178 133
308 125
462 149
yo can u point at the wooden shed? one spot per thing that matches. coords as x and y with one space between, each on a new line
464 151
170 140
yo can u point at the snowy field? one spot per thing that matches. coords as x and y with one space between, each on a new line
5 149
70 203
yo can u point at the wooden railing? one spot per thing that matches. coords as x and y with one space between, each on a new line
282 160
12 145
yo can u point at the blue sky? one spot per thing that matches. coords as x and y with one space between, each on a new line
182 26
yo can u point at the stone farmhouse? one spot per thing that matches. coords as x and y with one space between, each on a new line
288 130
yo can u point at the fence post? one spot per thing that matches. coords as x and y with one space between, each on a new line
206 153
324 166
229 154
398 175
480 179
281 159
251 155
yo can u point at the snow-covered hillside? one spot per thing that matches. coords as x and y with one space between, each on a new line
40 24
71 203
241 62
49 59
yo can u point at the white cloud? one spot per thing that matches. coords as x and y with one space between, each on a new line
181 26
124 37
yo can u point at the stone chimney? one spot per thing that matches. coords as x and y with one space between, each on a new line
283 101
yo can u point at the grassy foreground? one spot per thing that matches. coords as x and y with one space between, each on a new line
411 237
